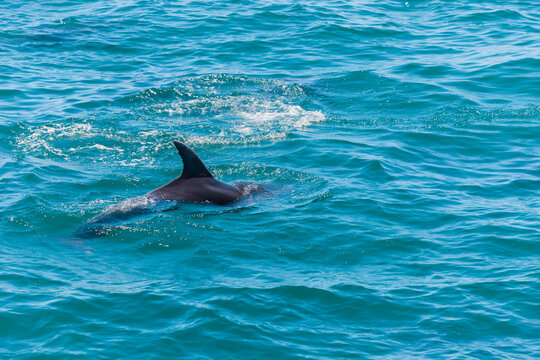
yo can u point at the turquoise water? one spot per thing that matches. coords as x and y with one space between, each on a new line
397 143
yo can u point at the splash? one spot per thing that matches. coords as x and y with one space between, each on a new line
210 110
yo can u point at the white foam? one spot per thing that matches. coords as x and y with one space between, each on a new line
252 111
41 138
241 119
49 138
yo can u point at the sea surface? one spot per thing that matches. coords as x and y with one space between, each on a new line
397 146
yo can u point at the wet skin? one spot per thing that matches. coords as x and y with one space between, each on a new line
196 184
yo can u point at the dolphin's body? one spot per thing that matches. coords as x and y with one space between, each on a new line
196 184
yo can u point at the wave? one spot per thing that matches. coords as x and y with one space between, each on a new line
211 110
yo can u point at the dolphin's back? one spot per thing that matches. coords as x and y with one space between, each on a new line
196 183
198 190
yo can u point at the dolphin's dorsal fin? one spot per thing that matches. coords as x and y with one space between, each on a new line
193 166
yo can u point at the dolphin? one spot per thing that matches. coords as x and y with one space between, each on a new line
196 184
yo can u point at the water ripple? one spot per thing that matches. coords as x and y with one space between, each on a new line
395 146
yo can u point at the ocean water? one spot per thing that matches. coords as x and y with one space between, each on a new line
397 145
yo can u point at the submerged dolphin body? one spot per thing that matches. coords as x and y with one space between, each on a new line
196 184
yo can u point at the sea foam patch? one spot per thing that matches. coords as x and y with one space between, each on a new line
214 109
222 109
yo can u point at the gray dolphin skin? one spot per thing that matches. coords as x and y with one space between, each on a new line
196 184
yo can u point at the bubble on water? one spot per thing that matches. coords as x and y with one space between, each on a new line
211 110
